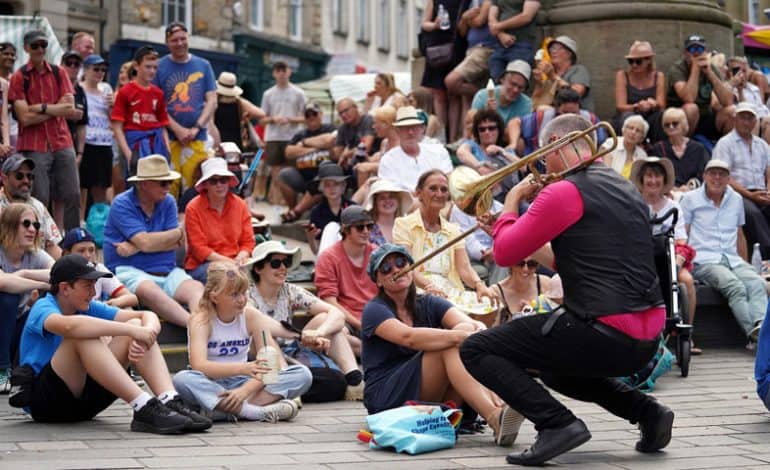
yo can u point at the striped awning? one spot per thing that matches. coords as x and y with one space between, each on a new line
13 28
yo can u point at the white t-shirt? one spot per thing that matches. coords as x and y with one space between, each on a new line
404 170
98 130
286 102
106 286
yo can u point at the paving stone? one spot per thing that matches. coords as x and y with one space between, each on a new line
53 445
432 464
198 451
186 462
78 454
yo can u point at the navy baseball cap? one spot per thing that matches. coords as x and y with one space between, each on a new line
75 235
69 268
94 59
378 255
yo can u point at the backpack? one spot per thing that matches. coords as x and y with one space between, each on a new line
329 382
660 363
97 218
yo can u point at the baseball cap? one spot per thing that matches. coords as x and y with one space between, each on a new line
144 51
717 164
354 214
34 35
15 161
312 107
378 255
520 67
71 267
174 27
71 55
75 235
745 107
694 39
94 59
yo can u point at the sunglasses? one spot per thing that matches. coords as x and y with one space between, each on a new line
39 45
309 114
696 49
531 264
386 267
637 61
20 175
276 263
368 226
487 128
219 180
671 125
72 63
164 183
99 69
26 223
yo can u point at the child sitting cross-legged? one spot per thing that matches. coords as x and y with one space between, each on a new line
223 381
77 374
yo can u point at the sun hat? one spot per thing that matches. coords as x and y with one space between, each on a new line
226 85
717 164
265 249
407 116
153 168
668 170
331 171
378 255
94 59
567 42
71 267
640 50
214 167
382 185
520 67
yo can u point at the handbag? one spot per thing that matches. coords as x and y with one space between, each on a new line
414 429
440 55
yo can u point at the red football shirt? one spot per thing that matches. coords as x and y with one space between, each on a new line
140 108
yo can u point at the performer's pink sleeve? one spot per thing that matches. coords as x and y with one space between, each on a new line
556 208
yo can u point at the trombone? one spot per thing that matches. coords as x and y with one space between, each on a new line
474 195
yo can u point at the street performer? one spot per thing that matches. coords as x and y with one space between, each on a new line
613 311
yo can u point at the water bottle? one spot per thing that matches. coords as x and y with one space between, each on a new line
360 154
443 17
756 258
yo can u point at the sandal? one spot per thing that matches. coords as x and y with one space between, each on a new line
508 425
693 350
289 216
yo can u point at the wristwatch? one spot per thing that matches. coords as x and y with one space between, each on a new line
43 108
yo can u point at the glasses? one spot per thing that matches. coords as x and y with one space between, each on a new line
637 61
100 69
487 128
219 180
72 63
26 223
276 263
531 264
309 114
367 226
386 267
696 49
20 175
671 125
164 183
39 45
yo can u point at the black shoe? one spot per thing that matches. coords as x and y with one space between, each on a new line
199 422
156 418
552 442
655 428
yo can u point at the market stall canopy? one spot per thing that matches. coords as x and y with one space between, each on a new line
13 28
756 36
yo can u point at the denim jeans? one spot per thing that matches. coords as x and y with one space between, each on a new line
9 310
574 359
740 285
501 56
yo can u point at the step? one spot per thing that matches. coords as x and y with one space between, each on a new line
175 355
715 325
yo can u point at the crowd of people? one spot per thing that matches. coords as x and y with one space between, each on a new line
374 194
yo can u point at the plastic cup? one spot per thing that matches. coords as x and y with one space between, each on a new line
270 356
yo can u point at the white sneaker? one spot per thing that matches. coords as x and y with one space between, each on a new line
283 410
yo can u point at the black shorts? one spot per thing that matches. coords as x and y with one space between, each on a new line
275 152
96 166
53 402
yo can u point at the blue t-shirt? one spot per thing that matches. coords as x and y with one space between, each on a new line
185 86
519 107
378 356
126 219
38 345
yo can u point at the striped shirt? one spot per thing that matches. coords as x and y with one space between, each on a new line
748 163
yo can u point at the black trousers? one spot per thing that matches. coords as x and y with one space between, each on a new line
574 359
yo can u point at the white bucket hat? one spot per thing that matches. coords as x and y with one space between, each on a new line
264 249
215 167
226 85
384 186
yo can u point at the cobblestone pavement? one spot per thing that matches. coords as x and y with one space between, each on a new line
719 424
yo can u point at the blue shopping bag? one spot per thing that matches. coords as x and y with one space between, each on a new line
414 429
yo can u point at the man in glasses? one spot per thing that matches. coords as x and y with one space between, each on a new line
43 99
697 87
340 272
18 176
356 131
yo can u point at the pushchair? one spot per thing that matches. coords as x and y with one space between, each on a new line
677 329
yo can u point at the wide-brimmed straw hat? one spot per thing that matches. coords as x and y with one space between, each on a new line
382 185
214 167
226 85
154 168
640 50
668 169
265 249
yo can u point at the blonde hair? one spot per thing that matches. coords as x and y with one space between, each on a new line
224 277
10 219
386 114
679 115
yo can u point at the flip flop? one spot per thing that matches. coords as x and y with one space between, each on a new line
508 425
289 216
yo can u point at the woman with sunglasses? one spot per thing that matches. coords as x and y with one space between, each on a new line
688 156
485 152
217 222
24 269
640 89
426 229
629 148
524 288
410 348
269 292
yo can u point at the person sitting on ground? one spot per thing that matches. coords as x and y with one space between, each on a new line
383 93
688 156
508 99
272 295
628 148
404 164
217 222
713 215
141 236
356 130
17 177
411 348
340 271
697 87
654 178
332 182
570 74
487 150
385 202
24 272
426 229
525 290
107 289
221 332
640 90
308 149
78 375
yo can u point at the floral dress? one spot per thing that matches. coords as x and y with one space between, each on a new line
290 299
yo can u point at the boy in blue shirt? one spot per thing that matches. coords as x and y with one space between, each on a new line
78 374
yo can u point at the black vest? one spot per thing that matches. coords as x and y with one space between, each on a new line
606 259
228 120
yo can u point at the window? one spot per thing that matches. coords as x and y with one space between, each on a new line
362 34
383 25
402 40
256 14
295 19
418 19
177 10
339 10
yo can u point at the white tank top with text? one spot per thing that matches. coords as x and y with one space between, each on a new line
229 342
